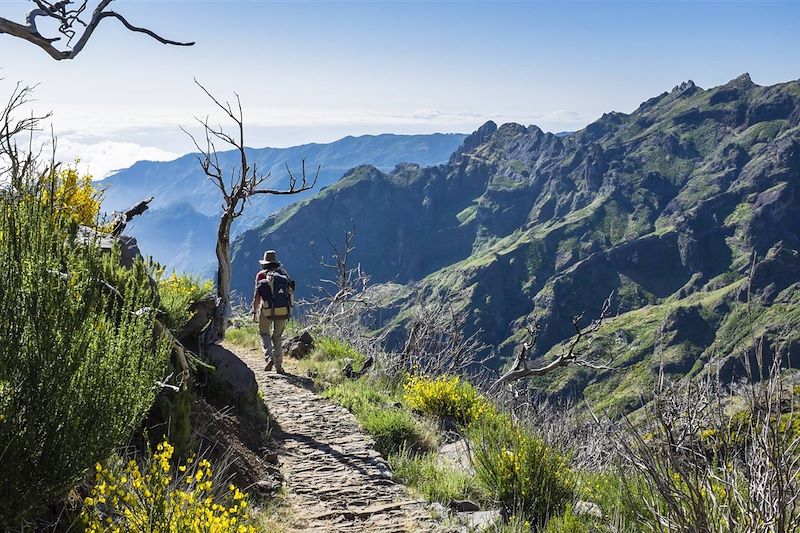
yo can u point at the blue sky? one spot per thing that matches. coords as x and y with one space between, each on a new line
316 71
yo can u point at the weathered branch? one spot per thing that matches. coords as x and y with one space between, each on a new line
520 369
121 219
67 19
137 29
20 163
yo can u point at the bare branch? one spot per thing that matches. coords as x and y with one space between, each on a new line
68 18
519 368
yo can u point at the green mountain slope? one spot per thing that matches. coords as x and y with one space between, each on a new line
666 206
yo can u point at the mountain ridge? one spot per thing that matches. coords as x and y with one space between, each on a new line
656 205
182 182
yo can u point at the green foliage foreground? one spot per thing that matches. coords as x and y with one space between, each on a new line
519 470
514 468
78 361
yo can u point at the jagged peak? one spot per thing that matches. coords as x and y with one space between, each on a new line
511 128
742 81
687 88
362 171
475 139
533 129
486 129
651 102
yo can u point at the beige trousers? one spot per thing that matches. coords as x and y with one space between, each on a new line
271 331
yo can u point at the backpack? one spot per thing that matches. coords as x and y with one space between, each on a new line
277 294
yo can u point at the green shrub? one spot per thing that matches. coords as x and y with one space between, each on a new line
621 500
331 348
433 478
328 359
568 522
244 336
78 364
395 429
170 417
518 470
177 293
445 396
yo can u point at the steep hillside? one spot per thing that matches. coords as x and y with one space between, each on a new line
179 229
666 206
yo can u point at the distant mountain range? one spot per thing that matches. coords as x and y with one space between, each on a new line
179 230
687 209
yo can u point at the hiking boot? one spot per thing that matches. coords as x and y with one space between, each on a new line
280 370
269 365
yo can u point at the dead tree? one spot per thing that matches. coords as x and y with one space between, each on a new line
237 185
340 297
16 163
69 15
437 341
520 369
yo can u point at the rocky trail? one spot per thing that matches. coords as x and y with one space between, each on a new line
334 478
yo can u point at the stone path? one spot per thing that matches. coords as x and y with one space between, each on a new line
335 480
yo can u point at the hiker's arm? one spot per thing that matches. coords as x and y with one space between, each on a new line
256 301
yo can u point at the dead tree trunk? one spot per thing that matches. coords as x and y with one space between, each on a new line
216 330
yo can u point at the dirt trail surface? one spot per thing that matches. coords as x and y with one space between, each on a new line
335 480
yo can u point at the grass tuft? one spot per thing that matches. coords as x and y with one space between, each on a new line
433 478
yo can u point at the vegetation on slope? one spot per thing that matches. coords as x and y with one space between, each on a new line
78 345
84 372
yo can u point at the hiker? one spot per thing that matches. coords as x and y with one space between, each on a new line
272 306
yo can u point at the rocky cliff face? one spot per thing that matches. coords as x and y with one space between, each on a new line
669 207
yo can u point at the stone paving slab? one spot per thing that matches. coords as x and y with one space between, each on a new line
335 479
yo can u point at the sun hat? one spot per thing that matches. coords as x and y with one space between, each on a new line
270 257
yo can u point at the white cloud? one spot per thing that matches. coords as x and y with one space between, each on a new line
102 158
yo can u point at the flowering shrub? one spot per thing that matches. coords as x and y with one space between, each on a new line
445 396
519 470
162 498
73 195
78 358
176 295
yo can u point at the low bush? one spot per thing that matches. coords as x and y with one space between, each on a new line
445 396
329 348
393 428
396 429
568 522
162 497
177 293
612 493
433 478
518 470
328 359
73 194
78 361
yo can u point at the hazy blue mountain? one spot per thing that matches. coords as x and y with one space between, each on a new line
179 229
687 209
